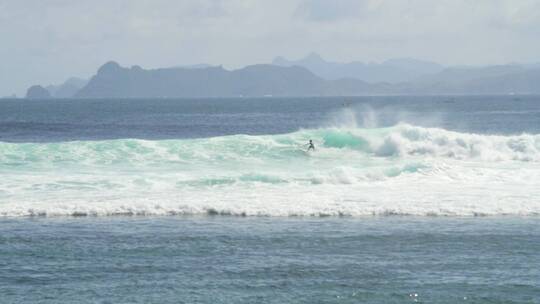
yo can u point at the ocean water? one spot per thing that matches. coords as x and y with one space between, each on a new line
406 199
425 156
222 259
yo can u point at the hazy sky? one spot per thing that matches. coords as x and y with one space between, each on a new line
46 41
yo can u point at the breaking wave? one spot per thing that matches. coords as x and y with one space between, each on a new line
404 169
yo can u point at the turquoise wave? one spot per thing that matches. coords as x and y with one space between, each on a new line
402 169
396 142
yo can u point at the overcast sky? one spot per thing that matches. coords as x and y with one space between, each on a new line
46 41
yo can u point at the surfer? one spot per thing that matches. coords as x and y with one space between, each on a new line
311 146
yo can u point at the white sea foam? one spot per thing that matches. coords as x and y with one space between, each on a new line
405 170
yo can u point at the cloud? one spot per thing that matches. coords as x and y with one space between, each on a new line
324 10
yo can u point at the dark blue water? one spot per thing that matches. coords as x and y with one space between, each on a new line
62 120
262 260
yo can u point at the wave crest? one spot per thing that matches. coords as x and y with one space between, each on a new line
400 170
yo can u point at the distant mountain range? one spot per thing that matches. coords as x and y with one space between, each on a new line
392 71
310 76
115 81
502 79
67 89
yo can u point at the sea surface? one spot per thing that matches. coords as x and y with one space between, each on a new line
405 199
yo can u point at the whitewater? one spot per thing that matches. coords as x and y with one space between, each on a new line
404 169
